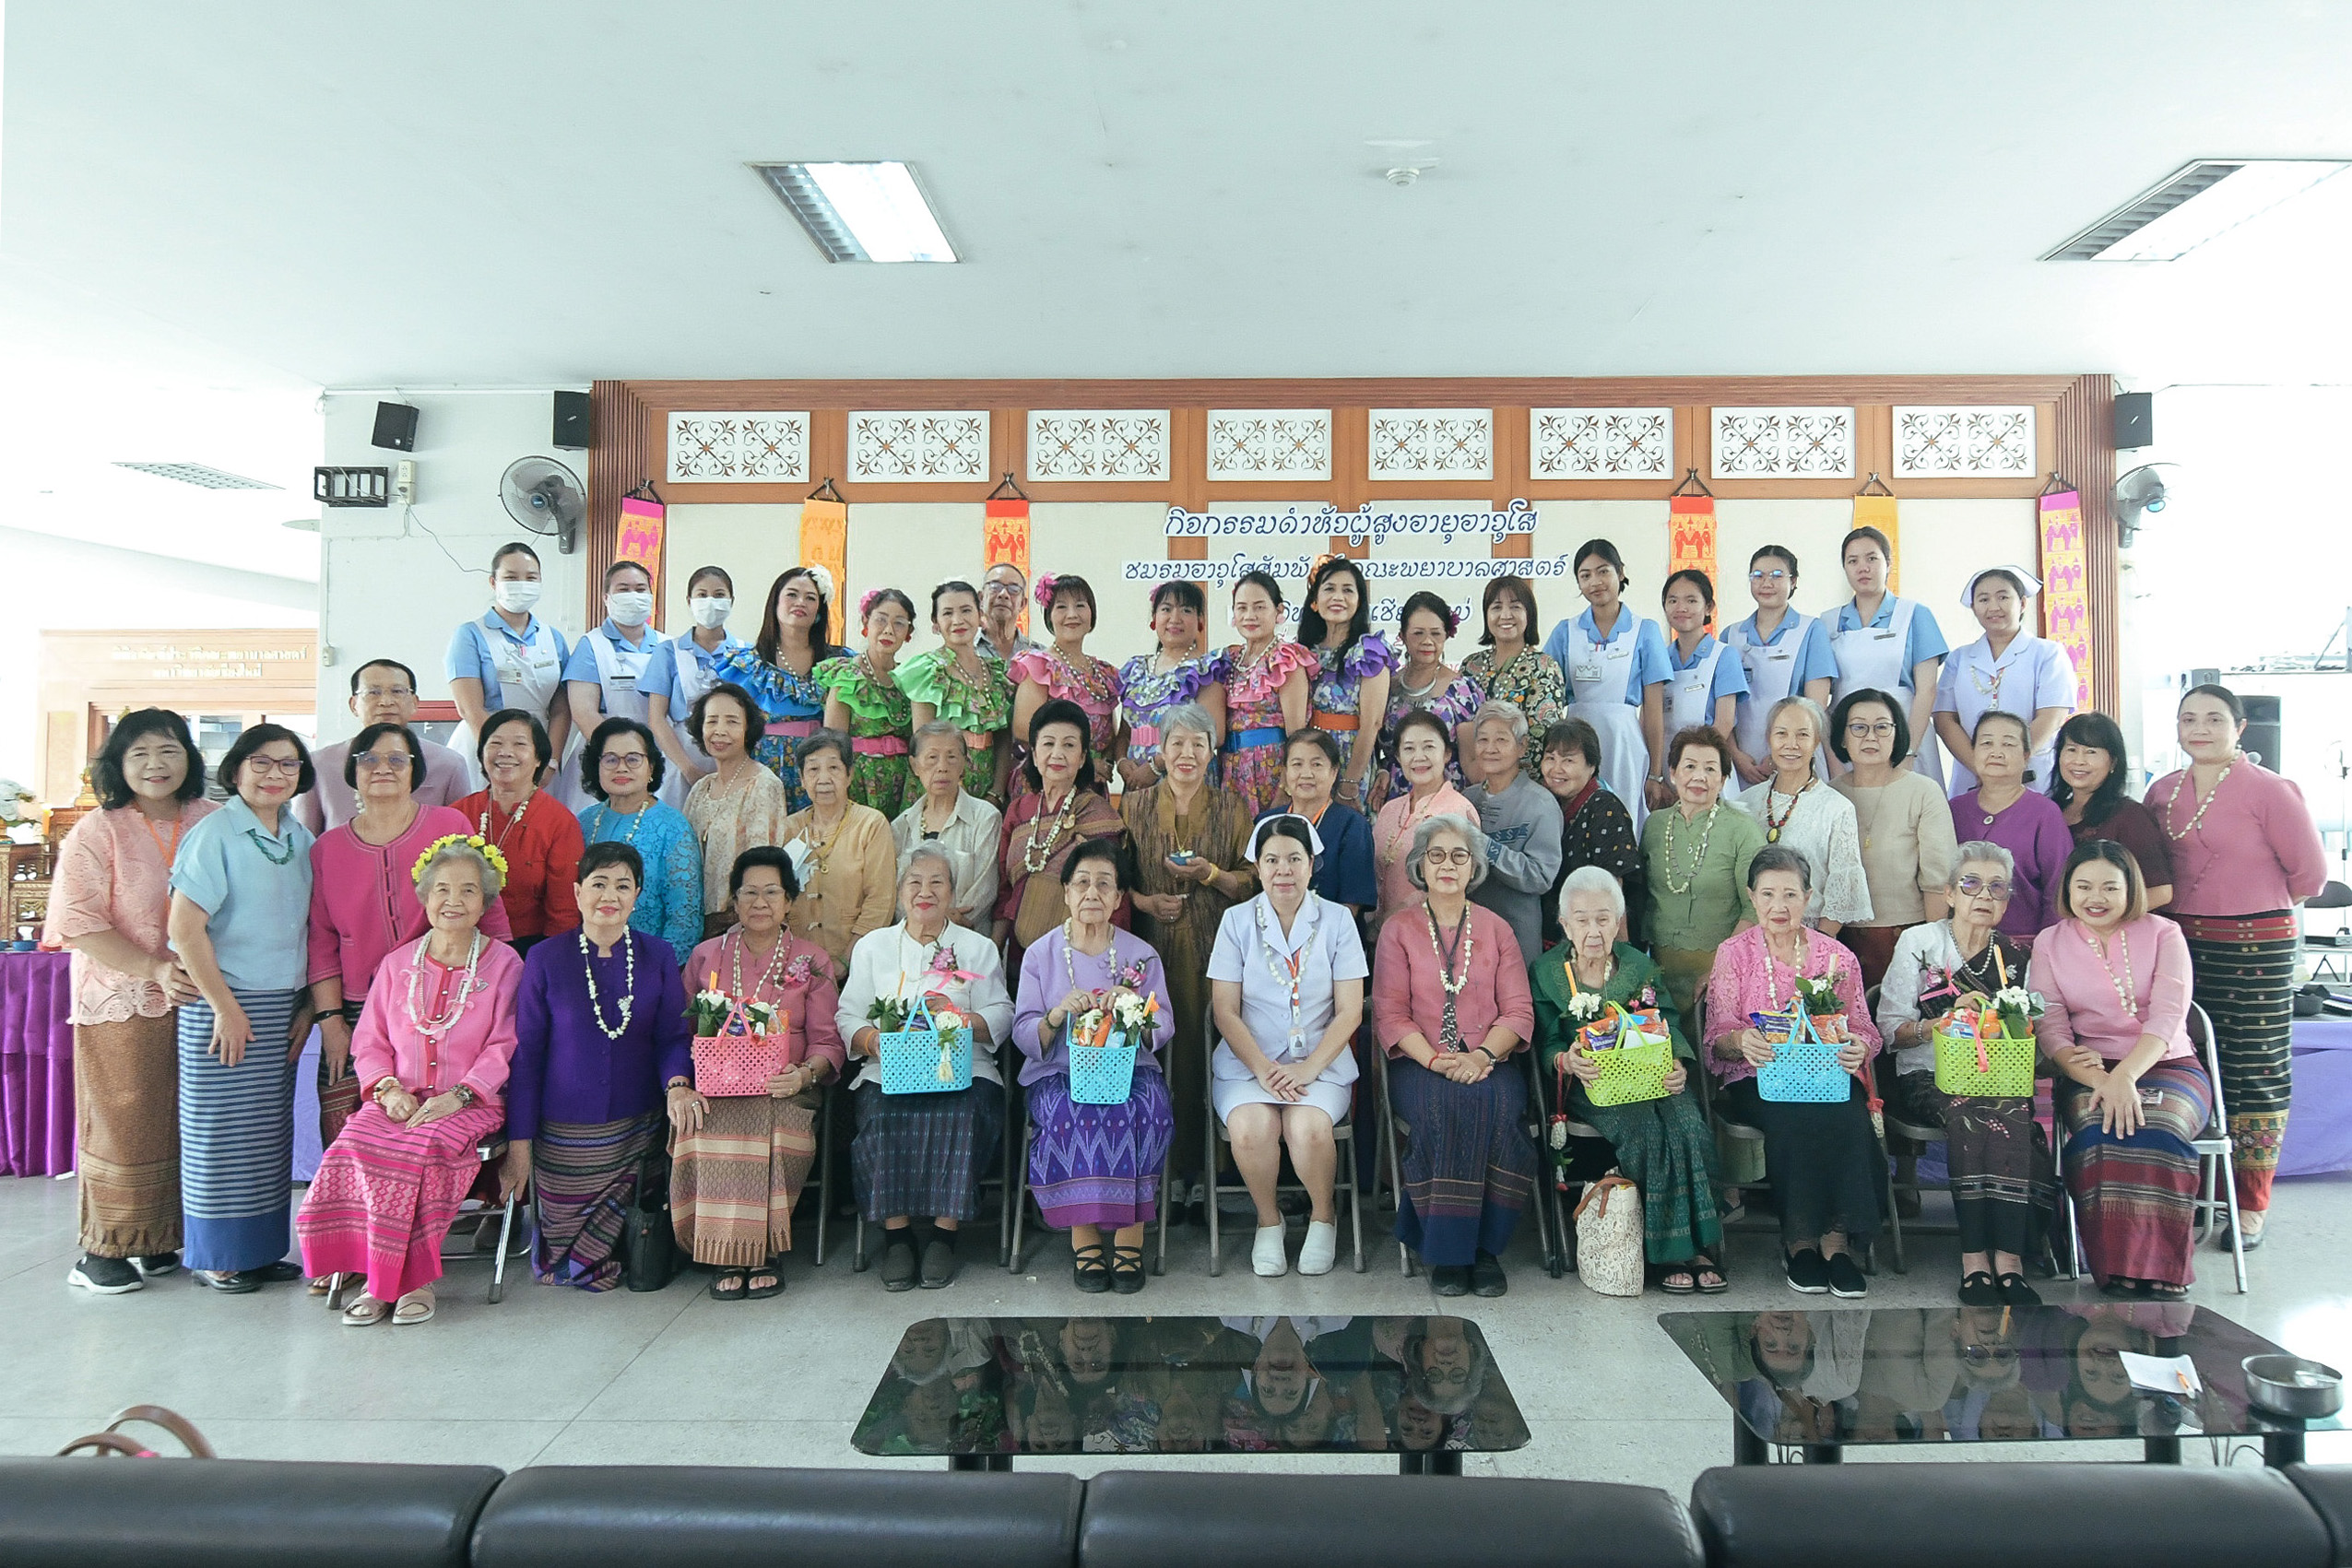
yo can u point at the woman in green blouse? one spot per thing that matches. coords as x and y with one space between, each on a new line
1696 854
1663 1146
962 684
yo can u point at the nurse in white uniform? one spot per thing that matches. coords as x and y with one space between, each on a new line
1885 643
1783 652
604 677
682 667
509 658
2009 668
1707 681
1615 664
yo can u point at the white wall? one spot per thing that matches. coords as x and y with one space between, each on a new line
395 583
86 587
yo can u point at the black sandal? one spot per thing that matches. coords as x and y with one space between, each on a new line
1702 1266
1089 1268
1127 1270
1683 1272
729 1285
768 1272
2121 1287
1979 1290
2162 1290
2016 1292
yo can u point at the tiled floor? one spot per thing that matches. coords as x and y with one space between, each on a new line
551 1376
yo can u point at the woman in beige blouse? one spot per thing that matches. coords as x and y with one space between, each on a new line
1904 820
847 861
966 827
738 807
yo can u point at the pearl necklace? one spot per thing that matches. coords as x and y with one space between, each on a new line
2203 806
436 1027
767 981
1666 871
628 1001
1038 852
2125 990
1088 676
636 819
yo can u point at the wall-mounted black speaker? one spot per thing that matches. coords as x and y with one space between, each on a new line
2265 733
2134 420
573 428
396 426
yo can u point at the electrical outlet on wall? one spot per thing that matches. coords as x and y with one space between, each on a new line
404 483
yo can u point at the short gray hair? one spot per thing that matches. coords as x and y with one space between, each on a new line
1500 712
1982 850
1188 717
1470 834
1591 879
940 729
927 849
460 851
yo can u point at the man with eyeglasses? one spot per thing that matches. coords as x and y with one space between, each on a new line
1002 593
384 691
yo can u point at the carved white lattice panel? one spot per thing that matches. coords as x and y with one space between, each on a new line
1782 443
734 447
1432 443
1270 444
1098 443
1964 441
1601 443
920 447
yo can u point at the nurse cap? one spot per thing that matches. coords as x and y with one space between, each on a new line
1968 592
1314 839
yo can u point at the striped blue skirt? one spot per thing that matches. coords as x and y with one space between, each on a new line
237 1138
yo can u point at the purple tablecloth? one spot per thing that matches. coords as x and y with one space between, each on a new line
2319 1119
36 1064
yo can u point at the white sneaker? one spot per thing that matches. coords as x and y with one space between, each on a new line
1267 1255
1321 1246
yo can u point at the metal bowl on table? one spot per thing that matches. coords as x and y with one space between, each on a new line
2291 1385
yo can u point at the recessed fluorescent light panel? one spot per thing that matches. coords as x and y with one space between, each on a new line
197 474
2201 202
861 212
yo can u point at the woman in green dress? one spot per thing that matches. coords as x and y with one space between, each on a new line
1696 854
863 701
958 683
1663 1146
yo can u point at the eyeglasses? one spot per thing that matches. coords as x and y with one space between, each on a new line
387 693
1775 575
1987 1355
1449 857
289 767
1973 884
889 623
624 759
375 761
1882 730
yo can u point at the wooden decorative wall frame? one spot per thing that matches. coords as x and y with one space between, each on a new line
1536 447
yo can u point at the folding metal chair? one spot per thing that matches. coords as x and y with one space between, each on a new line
480 1202
1019 1258
1342 1132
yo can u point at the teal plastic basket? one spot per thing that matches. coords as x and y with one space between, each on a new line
1804 1070
1103 1074
920 1059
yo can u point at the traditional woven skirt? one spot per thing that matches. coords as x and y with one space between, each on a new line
923 1154
2245 981
237 1138
1099 1164
2133 1197
1822 1158
583 1176
385 1196
2001 1171
733 1183
1468 1168
127 1133
1667 1150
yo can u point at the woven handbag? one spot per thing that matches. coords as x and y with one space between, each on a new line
1609 1259
1973 1064
1102 1071
1804 1068
736 1063
924 1059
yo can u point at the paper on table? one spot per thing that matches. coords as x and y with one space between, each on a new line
2160 1375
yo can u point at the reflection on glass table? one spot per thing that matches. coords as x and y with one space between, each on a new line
978 1391
1826 1380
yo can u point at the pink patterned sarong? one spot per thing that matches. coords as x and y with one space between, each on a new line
385 1196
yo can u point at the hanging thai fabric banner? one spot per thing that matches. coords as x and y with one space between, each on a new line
2065 598
824 535
1004 539
1878 512
1690 535
641 528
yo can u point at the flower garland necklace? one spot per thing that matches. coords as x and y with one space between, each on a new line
2125 992
1772 825
1690 877
436 1026
1039 852
1449 1034
629 998
2203 806
1129 975
1286 966
770 980
490 805
1771 974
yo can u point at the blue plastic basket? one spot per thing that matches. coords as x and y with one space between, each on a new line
1103 1074
919 1059
1803 1070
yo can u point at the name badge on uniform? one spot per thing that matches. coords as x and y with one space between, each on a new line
1886 636
1619 650
622 682
1587 672
1777 655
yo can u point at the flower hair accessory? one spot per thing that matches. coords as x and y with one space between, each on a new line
1043 592
1320 562
475 842
822 578
866 603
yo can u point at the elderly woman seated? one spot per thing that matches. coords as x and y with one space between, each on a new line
1450 1004
1287 992
1822 1155
1996 1151
431 1051
1663 1146
1095 1165
922 1155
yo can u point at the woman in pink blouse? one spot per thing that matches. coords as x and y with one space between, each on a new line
2244 854
1065 671
2115 980
364 902
1823 1156
1424 749
1449 1005
431 1053
108 900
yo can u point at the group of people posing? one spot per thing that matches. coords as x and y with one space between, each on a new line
1244 847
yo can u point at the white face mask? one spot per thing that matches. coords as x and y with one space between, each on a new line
629 609
710 612
514 594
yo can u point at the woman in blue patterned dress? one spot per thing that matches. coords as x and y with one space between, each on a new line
1150 684
1425 680
622 769
795 636
1354 664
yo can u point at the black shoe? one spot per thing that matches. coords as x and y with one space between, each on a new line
939 1266
1846 1281
2016 1292
105 1276
1090 1268
1451 1279
230 1283
1807 1273
1979 1291
898 1263
157 1263
275 1273
1127 1270
1486 1277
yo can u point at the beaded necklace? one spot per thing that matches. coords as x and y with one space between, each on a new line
2125 992
1413 817
1449 1034
437 1025
2203 806
1666 873
263 843
1089 677
629 998
1772 825
1039 852
489 808
770 980
636 819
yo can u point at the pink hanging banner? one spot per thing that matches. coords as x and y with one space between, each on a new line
2065 599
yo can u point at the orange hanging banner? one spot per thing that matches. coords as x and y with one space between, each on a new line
1690 535
824 539
1004 539
641 533
2065 596
1879 512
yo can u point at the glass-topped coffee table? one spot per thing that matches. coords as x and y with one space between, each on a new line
980 1391
1823 1382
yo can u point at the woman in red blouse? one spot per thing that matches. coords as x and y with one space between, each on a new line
539 836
